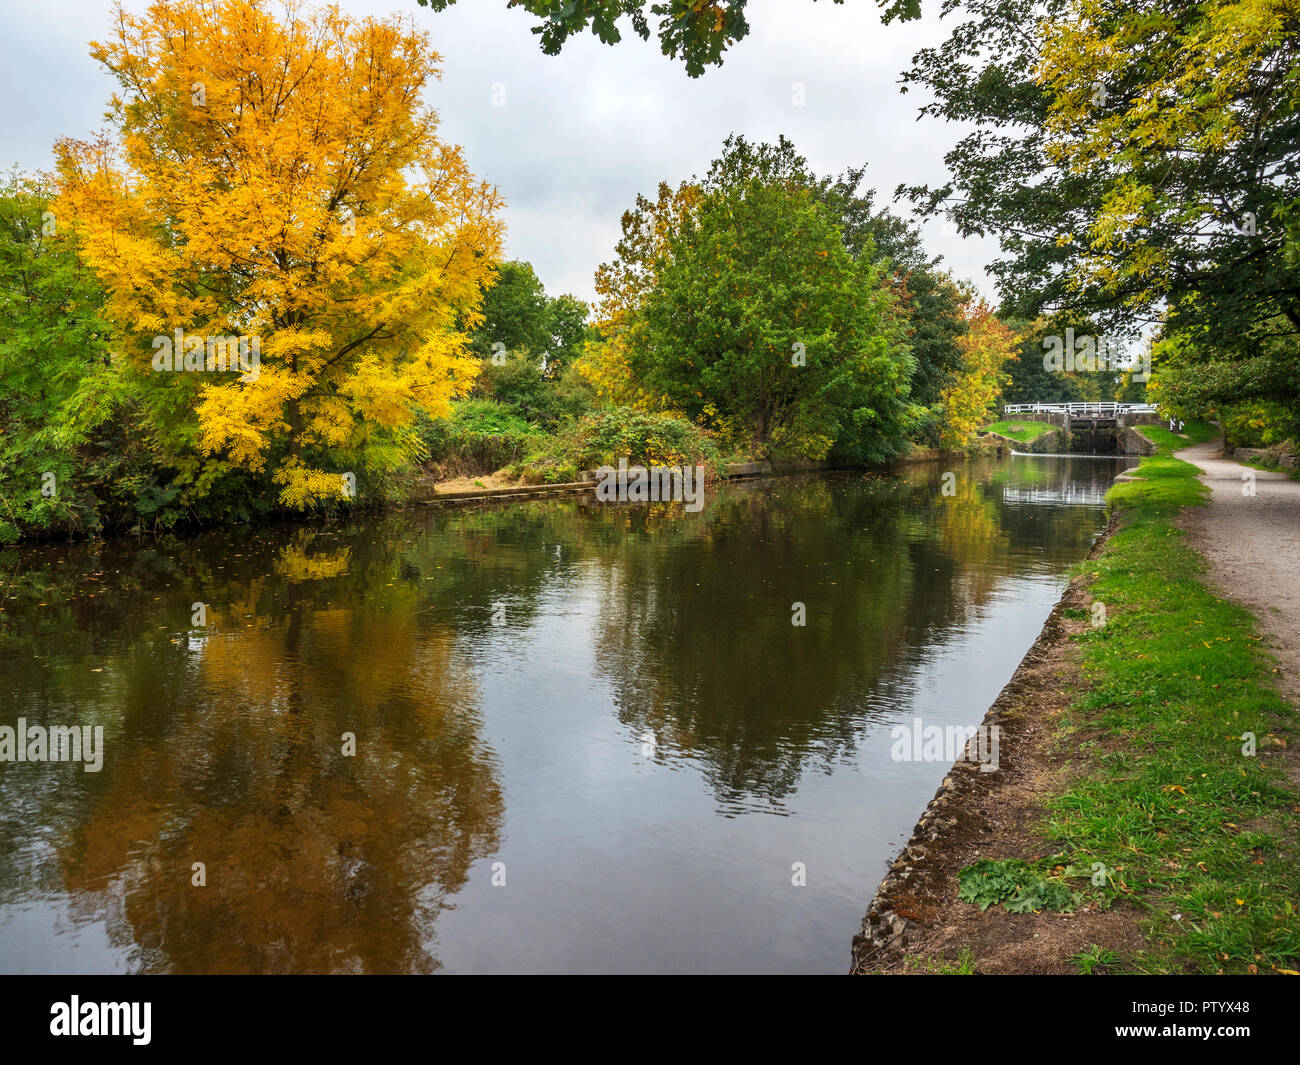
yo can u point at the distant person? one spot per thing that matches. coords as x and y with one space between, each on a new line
1171 424
1180 426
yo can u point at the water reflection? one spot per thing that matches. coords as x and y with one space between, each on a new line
229 745
1081 480
565 716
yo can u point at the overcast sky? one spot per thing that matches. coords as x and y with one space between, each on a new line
583 132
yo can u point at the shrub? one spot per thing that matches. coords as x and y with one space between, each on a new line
602 438
482 436
1260 424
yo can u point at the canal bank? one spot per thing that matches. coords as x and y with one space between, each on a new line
428 492
1144 814
431 494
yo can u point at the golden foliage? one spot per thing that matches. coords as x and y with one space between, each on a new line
987 346
282 180
1200 67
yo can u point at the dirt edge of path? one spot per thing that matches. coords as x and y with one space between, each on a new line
915 921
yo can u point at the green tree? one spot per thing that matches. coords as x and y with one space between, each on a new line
1187 118
68 452
759 323
1001 181
1139 163
568 331
527 340
931 301
515 314
1031 381
1193 379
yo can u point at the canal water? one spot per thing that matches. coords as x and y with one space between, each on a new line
552 736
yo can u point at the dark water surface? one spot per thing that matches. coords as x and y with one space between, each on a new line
605 706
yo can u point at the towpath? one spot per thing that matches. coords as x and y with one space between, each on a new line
1252 545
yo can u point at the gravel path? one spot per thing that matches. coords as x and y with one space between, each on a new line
1252 544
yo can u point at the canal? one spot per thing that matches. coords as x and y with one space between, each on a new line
555 736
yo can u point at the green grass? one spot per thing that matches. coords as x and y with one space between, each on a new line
1197 432
963 966
1095 961
1184 824
1021 432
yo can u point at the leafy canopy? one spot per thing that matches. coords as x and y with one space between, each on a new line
281 180
695 31
66 441
1139 162
528 342
1186 119
735 301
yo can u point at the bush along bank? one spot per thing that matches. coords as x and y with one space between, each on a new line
1154 825
606 436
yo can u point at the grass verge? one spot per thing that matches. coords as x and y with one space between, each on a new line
1181 804
1021 432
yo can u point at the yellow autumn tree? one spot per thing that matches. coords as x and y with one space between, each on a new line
274 189
986 347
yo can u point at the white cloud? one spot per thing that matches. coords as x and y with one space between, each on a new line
583 132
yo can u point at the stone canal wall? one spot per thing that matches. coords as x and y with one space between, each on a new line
1047 444
1269 456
